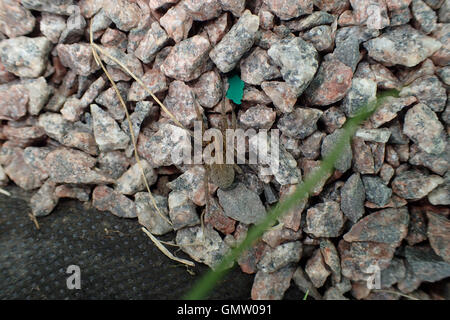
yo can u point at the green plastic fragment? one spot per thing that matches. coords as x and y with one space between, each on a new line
236 90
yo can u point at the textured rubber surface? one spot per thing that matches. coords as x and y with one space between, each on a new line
116 258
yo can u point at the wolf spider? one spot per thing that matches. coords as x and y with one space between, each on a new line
220 174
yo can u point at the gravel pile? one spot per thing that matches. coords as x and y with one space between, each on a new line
307 67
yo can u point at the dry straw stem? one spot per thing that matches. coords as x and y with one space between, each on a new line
397 293
33 218
133 138
142 84
165 251
6 193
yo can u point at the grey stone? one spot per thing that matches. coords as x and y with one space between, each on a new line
75 27
374 135
182 210
100 21
209 89
106 199
227 53
288 9
317 270
272 286
129 60
331 259
389 108
282 95
258 117
429 91
283 168
315 19
257 67
417 226
52 25
324 220
109 100
78 57
132 180
321 37
427 265
303 282
359 258
440 196
444 12
59 6
107 132
125 14
348 40
38 93
165 147
203 10
154 81
353 196
423 127
394 273
236 7
73 166
55 126
44 200
149 217
334 294
204 246
436 163
182 103
281 256
15 20
344 162
376 191
310 147
362 94
425 17
141 112
298 61
192 182
25 57
188 59
242 204
155 39
113 163
402 45
301 123
444 75
385 226
438 233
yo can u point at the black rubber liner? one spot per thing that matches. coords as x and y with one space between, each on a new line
116 258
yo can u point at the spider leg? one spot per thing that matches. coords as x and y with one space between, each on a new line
233 119
200 117
234 127
207 197
223 121
238 169
206 175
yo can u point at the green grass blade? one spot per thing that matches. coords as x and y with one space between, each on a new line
306 295
208 281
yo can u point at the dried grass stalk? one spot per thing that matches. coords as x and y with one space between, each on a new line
96 48
165 251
